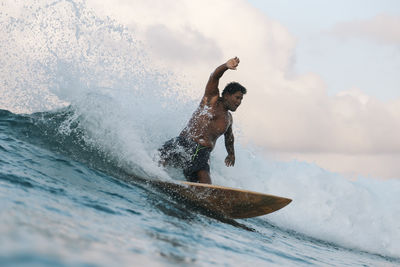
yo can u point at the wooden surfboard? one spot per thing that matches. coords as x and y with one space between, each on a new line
229 202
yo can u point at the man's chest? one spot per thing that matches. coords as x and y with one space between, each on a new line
219 121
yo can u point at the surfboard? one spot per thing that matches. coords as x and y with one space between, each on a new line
230 202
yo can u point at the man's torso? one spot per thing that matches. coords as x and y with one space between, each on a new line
208 122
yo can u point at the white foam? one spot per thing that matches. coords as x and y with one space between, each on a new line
361 214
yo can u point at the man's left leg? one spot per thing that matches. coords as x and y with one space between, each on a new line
198 169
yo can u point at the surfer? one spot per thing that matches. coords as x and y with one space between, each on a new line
191 149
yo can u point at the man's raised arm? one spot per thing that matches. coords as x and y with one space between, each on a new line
212 84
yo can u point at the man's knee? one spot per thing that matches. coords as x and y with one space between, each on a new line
204 177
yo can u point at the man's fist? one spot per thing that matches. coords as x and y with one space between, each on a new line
232 63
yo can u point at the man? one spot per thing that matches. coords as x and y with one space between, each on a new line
191 149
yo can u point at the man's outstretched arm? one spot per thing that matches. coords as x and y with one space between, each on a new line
229 140
212 84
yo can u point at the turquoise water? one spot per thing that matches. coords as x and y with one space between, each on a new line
57 209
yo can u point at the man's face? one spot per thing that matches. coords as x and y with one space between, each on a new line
233 101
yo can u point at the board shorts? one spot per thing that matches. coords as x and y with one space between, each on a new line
186 154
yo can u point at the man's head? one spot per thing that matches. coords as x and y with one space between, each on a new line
232 95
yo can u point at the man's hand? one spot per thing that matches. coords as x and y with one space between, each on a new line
232 63
230 160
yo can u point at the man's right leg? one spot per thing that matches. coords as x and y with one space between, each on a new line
204 177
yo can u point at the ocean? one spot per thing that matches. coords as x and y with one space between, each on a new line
82 114
67 203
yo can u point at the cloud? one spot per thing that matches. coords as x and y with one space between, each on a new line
187 46
383 28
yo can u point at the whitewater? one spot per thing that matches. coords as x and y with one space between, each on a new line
81 106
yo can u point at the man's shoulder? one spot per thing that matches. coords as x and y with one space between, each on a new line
210 100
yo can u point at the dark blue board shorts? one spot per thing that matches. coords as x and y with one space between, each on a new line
184 153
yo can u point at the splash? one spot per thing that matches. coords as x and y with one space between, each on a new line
60 53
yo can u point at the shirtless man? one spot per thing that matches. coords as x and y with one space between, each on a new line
191 149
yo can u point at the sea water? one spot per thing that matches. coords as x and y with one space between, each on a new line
63 204
78 114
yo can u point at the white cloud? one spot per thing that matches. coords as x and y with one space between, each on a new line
187 46
383 28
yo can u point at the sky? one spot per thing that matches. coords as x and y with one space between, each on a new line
350 45
344 54
322 76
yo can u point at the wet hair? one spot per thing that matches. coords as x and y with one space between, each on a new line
234 87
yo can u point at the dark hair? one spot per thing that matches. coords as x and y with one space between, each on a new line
234 87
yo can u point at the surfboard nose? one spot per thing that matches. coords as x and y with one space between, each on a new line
264 204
